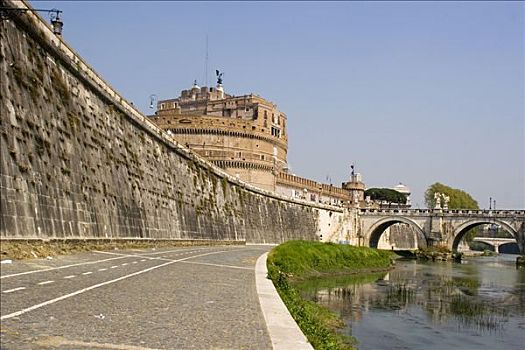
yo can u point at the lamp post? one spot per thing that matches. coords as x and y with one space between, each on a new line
54 16
56 23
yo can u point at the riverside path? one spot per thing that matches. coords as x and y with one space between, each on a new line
170 298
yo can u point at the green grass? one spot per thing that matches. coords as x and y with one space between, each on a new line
295 261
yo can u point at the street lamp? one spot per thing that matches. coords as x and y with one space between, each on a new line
56 23
54 16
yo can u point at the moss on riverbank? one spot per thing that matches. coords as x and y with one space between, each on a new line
296 261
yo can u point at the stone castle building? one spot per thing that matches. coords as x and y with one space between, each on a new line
246 136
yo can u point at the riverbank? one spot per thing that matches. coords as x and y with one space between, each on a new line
433 306
296 261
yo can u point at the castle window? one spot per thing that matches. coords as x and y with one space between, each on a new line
262 156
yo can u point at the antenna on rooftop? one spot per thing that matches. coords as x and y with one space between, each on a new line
205 82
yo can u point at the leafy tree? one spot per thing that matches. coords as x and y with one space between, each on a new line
459 199
386 194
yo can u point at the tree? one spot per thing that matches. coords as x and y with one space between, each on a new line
459 199
386 194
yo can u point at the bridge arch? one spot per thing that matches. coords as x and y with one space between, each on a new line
376 230
462 229
509 248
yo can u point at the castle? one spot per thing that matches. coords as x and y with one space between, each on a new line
246 136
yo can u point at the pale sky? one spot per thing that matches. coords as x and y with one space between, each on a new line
411 92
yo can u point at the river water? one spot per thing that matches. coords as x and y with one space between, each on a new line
478 304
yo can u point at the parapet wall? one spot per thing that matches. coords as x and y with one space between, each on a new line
79 161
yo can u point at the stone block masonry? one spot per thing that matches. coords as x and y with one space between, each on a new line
79 161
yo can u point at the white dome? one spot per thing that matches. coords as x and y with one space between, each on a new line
402 188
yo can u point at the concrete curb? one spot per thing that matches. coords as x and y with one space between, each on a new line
285 334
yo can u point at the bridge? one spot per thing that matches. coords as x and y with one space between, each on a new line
495 242
432 226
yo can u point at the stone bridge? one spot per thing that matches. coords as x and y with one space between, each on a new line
433 227
495 242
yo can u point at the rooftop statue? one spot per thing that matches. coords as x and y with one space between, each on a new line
219 76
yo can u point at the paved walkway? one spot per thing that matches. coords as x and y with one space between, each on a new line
178 298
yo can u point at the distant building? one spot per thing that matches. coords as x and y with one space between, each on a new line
355 188
246 136
405 190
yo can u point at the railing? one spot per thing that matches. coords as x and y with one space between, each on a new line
447 212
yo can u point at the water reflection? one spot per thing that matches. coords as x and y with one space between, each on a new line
478 304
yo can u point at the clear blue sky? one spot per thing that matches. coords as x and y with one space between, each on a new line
412 92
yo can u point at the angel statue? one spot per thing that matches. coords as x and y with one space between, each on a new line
219 77
437 197
446 199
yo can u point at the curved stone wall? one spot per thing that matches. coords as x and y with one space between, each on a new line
238 146
78 161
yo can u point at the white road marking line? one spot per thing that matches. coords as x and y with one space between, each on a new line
143 260
134 262
70 276
120 256
61 267
124 264
218 265
45 282
87 273
77 344
80 291
146 254
114 267
13 290
102 269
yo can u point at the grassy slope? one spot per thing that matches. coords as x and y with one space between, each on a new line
297 260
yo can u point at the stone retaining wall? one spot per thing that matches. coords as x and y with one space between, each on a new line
79 161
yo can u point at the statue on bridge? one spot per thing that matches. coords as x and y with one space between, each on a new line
437 197
446 199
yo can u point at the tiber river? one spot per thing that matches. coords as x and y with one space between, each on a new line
478 304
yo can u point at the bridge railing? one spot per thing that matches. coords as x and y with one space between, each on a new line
455 212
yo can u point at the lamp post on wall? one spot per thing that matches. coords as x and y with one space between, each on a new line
56 23
54 16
